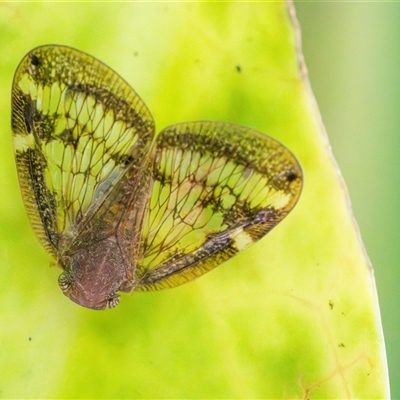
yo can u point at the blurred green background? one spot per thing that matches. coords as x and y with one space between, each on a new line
353 58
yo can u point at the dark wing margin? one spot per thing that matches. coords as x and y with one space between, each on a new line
77 127
218 188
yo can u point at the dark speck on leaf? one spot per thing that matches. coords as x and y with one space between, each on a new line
238 68
30 339
331 304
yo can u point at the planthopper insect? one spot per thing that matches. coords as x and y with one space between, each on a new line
122 210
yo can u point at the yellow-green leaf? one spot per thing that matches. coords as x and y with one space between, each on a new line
295 316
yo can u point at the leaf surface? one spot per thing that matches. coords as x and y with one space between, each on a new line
294 316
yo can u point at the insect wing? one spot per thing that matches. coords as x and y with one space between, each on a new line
217 189
77 126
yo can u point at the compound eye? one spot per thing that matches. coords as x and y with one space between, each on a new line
64 281
113 302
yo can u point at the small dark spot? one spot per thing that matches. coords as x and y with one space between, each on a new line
263 216
67 137
35 60
331 304
238 68
135 54
125 160
30 339
341 345
291 176
28 125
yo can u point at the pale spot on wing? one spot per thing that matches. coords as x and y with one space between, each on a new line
191 196
97 155
60 125
106 125
55 98
204 167
261 198
237 174
245 190
67 158
228 200
79 155
241 240
23 142
46 100
86 151
127 140
39 97
116 135
216 168
97 117
281 200
108 167
77 185
25 84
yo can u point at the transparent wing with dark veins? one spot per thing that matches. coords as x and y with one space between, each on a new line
217 189
77 127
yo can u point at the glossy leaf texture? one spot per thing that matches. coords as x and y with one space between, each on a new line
294 316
